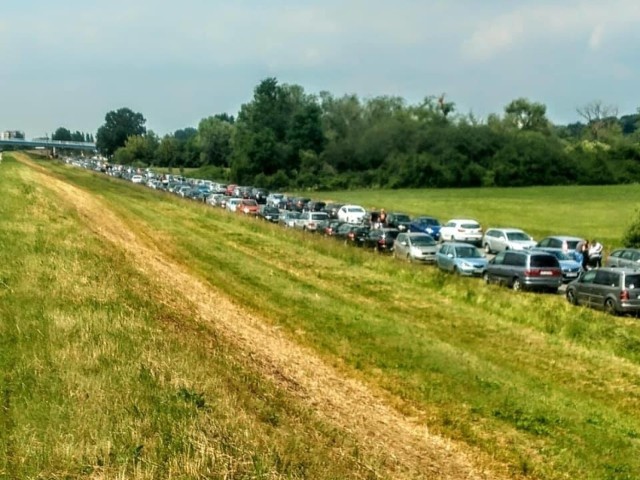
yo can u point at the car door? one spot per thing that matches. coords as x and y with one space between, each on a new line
445 257
495 269
584 290
402 246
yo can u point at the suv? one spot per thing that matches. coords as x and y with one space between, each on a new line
525 269
499 239
614 290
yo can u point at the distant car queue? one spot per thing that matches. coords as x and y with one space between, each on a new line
460 246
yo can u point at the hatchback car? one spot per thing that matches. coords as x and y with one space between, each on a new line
461 259
614 290
425 224
351 214
397 220
417 247
624 257
247 206
312 221
500 239
462 230
381 239
525 269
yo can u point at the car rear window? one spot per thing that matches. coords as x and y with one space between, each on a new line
319 216
544 261
470 225
632 281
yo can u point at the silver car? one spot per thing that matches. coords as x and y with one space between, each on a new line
415 247
614 290
500 239
624 257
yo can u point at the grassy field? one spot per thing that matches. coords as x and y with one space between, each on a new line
101 377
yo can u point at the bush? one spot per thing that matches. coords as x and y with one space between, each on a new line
631 237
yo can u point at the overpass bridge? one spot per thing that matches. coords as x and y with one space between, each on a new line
47 144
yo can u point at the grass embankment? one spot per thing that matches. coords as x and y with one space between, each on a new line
549 389
102 379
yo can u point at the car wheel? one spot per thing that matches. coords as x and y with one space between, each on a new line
571 297
486 278
456 271
610 306
487 248
409 258
516 284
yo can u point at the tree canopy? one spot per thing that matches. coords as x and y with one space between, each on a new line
118 127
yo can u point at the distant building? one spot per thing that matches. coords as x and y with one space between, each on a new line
11 135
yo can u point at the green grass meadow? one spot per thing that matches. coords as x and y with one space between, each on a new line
102 379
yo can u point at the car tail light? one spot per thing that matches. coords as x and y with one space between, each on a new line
542 272
624 295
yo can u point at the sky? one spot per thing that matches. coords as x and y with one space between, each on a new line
68 63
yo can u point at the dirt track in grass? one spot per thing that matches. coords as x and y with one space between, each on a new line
345 402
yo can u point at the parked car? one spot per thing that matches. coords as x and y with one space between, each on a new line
397 220
418 247
247 206
300 203
332 209
357 235
461 259
525 270
352 213
274 199
563 242
269 213
312 221
426 224
288 218
614 290
232 203
381 239
462 230
571 268
315 206
500 239
331 228
624 257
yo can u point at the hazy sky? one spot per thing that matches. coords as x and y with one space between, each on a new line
68 63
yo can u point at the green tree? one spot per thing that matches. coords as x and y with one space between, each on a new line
118 127
631 237
61 134
214 139
522 114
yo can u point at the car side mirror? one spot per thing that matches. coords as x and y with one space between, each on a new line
450 255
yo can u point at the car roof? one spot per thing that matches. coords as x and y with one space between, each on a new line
563 237
470 220
506 229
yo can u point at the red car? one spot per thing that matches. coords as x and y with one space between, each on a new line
247 206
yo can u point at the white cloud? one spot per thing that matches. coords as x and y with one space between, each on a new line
595 40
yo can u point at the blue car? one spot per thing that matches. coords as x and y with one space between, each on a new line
425 224
570 266
461 259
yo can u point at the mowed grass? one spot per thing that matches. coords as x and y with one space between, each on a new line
550 389
101 379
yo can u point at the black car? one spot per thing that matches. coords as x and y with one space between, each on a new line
269 213
401 221
381 239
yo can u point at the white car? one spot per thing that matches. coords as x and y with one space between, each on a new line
462 230
233 203
352 214
499 239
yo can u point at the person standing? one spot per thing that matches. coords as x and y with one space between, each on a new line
595 254
585 255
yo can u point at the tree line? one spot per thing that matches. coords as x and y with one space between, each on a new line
286 138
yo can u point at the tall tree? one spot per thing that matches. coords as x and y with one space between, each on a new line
599 117
525 115
119 125
214 140
62 134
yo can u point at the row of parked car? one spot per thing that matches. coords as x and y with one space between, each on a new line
506 256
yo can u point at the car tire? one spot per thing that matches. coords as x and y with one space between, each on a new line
409 258
487 248
485 277
571 297
456 271
610 307
516 284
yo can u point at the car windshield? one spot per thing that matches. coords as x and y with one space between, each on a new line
423 241
632 281
518 236
356 209
403 218
467 252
